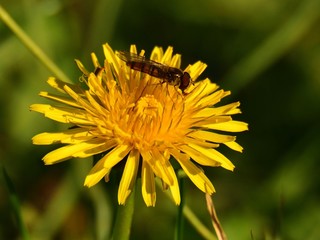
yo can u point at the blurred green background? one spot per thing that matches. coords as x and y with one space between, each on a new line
266 52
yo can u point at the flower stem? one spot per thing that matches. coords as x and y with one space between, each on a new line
32 46
192 218
122 226
180 218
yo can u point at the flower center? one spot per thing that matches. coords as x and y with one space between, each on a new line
148 109
145 121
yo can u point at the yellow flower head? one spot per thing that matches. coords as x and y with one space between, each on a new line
143 120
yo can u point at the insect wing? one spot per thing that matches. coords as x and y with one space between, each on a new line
173 76
140 63
135 58
130 57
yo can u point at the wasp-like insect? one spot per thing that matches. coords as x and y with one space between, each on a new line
171 75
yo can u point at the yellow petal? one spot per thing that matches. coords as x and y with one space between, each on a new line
98 108
211 120
105 164
211 99
59 85
207 157
60 99
72 136
111 57
199 157
163 164
194 92
194 173
83 149
174 188
196 69
148 185
211 136
176 61
156 54
223 110
83 103
229 109
95 60
200 142
104 146
159 165
96 173
198 90
231 126
62 114
128 177
116 155
214 155
234 146
166 58
82 68
133 49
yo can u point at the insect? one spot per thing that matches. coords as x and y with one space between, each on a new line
171 75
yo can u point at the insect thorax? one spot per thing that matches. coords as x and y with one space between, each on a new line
173 76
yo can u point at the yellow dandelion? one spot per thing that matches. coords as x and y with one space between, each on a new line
146 121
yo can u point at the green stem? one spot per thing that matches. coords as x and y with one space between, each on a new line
122 226
179 224
192 218
32 46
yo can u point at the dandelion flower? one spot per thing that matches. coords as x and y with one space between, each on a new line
143 121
